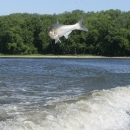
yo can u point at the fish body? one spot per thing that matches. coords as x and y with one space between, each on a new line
58 30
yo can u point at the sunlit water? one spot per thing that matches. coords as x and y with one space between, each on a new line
64 94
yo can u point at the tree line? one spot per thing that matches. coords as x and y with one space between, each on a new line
108 35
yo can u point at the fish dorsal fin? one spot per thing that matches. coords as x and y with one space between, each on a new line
67 34
57 22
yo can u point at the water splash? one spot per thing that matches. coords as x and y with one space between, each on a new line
98 110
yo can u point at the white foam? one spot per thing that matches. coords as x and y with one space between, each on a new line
99 110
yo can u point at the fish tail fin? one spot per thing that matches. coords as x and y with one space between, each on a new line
80 26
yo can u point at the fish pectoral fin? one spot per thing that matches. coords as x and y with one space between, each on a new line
56 40
57 22
67 34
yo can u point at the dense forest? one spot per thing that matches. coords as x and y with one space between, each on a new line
108 35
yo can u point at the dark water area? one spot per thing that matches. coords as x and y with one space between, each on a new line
55 94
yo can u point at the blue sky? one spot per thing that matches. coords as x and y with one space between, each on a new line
60 6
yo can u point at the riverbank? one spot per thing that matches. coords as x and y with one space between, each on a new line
57 56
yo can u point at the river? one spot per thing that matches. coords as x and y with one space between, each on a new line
64 94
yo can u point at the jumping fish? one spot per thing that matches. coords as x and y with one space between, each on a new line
58 30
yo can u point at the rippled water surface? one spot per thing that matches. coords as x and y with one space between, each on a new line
64 94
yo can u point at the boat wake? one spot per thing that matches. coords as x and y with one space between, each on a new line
98 110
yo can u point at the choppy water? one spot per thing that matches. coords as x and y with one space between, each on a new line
64 94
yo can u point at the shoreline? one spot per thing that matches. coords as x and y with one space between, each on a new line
61 57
